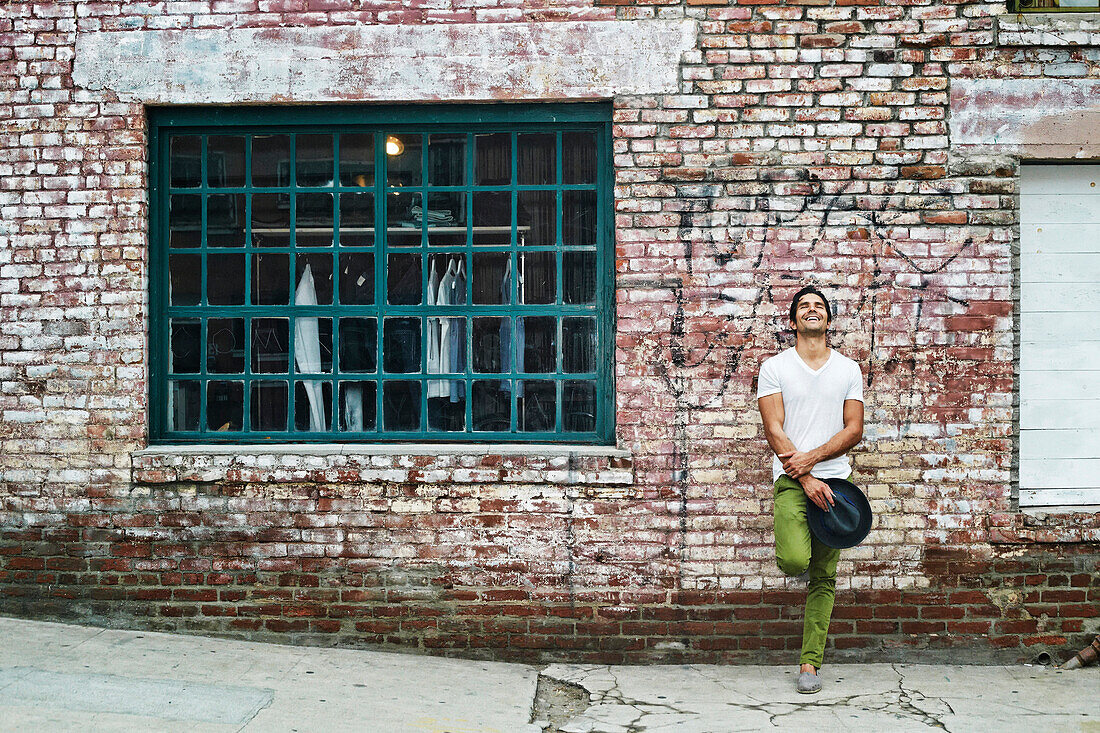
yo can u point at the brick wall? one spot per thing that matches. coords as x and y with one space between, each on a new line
809 142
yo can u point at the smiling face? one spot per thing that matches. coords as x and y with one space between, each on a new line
811 315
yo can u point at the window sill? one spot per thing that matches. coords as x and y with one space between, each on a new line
1049 29
384 463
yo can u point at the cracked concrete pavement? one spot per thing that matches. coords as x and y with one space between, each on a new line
60 677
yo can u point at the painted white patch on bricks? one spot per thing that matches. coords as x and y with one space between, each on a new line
386 63
1048 29
1036 118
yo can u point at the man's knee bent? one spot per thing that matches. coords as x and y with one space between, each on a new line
793 565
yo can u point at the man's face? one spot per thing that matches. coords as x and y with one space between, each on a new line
811 316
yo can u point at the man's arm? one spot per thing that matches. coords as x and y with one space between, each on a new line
799 463
772 414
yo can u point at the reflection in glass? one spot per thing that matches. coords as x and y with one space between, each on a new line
184 400
403 279
492 283
271 220
224 406
271 345
225 161
579 277
357 278
447 160
446 413
357 406
578 345
578 222
269 406
538 274
357 218
401 345
271 160
270 279
186 346
312 405
578 406
313 222
402 229
357 160
401 406
538 340
537 218
314 160
492 217
184 220
225 346
225 279
537 404
537 159
358 343
492 344
225 220
403 168
321 268
313 345
492 405
578 157
184 279
494 159
185 161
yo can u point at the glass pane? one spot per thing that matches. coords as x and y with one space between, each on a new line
447 160
578 223
537 218
578 278
357 406
446 278
445 217
403 279
538 273
537 401
313 222
184 220
494 159
225 220
538 340
313 345
225 161
271 346
271 219
357 160
446 348
314 164
402 228
357 278
401 345
184 400
224 406
358 343
401 406
225 346
357 218
578 345
185 161
271 160
492 405
269 406
492 217
312 406
492 278
492 345
270 279
320 271
537 159
186 347
447 412
184 279
578 407
578 157
225 279
403 160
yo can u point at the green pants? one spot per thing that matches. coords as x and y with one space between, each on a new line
796 551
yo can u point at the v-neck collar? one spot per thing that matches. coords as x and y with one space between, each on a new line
806 366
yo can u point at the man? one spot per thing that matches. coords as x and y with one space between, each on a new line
811 402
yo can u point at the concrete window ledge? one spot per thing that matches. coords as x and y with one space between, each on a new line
1049 29
385 463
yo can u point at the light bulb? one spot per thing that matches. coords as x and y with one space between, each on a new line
394 146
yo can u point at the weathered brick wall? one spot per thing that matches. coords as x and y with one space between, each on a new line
809 142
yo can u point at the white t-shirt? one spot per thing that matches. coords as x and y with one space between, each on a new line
813 403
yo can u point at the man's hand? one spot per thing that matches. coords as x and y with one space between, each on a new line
818 491
797 464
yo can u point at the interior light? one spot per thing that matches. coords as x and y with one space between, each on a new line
394 146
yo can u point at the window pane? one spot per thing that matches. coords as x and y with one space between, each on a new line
225 279
186 346
401 345
185 161
313 222
494 159
538 274
446 349
312 406
184 279
271 219
537 159
401 406
319 279
492 405
313 345
578 347
225 346
492 345
357 218
447 412
538 339
224 406
537 402
314 154
357 278
447 160
357 406
358 343
403 160
579 277
357 160
269 406
537 218
271 346
271 160
492 217
271 279
578 407
578 157
184 401
225 161
403 279
446 278
184 220
225 220
578 224
492 278
402 229
445 218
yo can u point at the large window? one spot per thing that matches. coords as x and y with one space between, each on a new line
379 273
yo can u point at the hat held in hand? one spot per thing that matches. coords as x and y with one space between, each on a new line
848 520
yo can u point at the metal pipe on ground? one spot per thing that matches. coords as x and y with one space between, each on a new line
1086 656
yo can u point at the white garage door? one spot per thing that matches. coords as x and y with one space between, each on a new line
1060 335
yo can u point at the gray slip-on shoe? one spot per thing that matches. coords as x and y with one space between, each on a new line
809 683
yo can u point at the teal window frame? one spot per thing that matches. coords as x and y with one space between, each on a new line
379 121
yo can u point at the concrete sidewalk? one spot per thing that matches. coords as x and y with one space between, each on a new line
56 677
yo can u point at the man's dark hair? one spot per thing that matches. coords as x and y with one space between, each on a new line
811 290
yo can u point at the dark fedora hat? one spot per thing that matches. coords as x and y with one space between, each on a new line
847 522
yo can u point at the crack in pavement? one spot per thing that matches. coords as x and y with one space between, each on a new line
905 701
